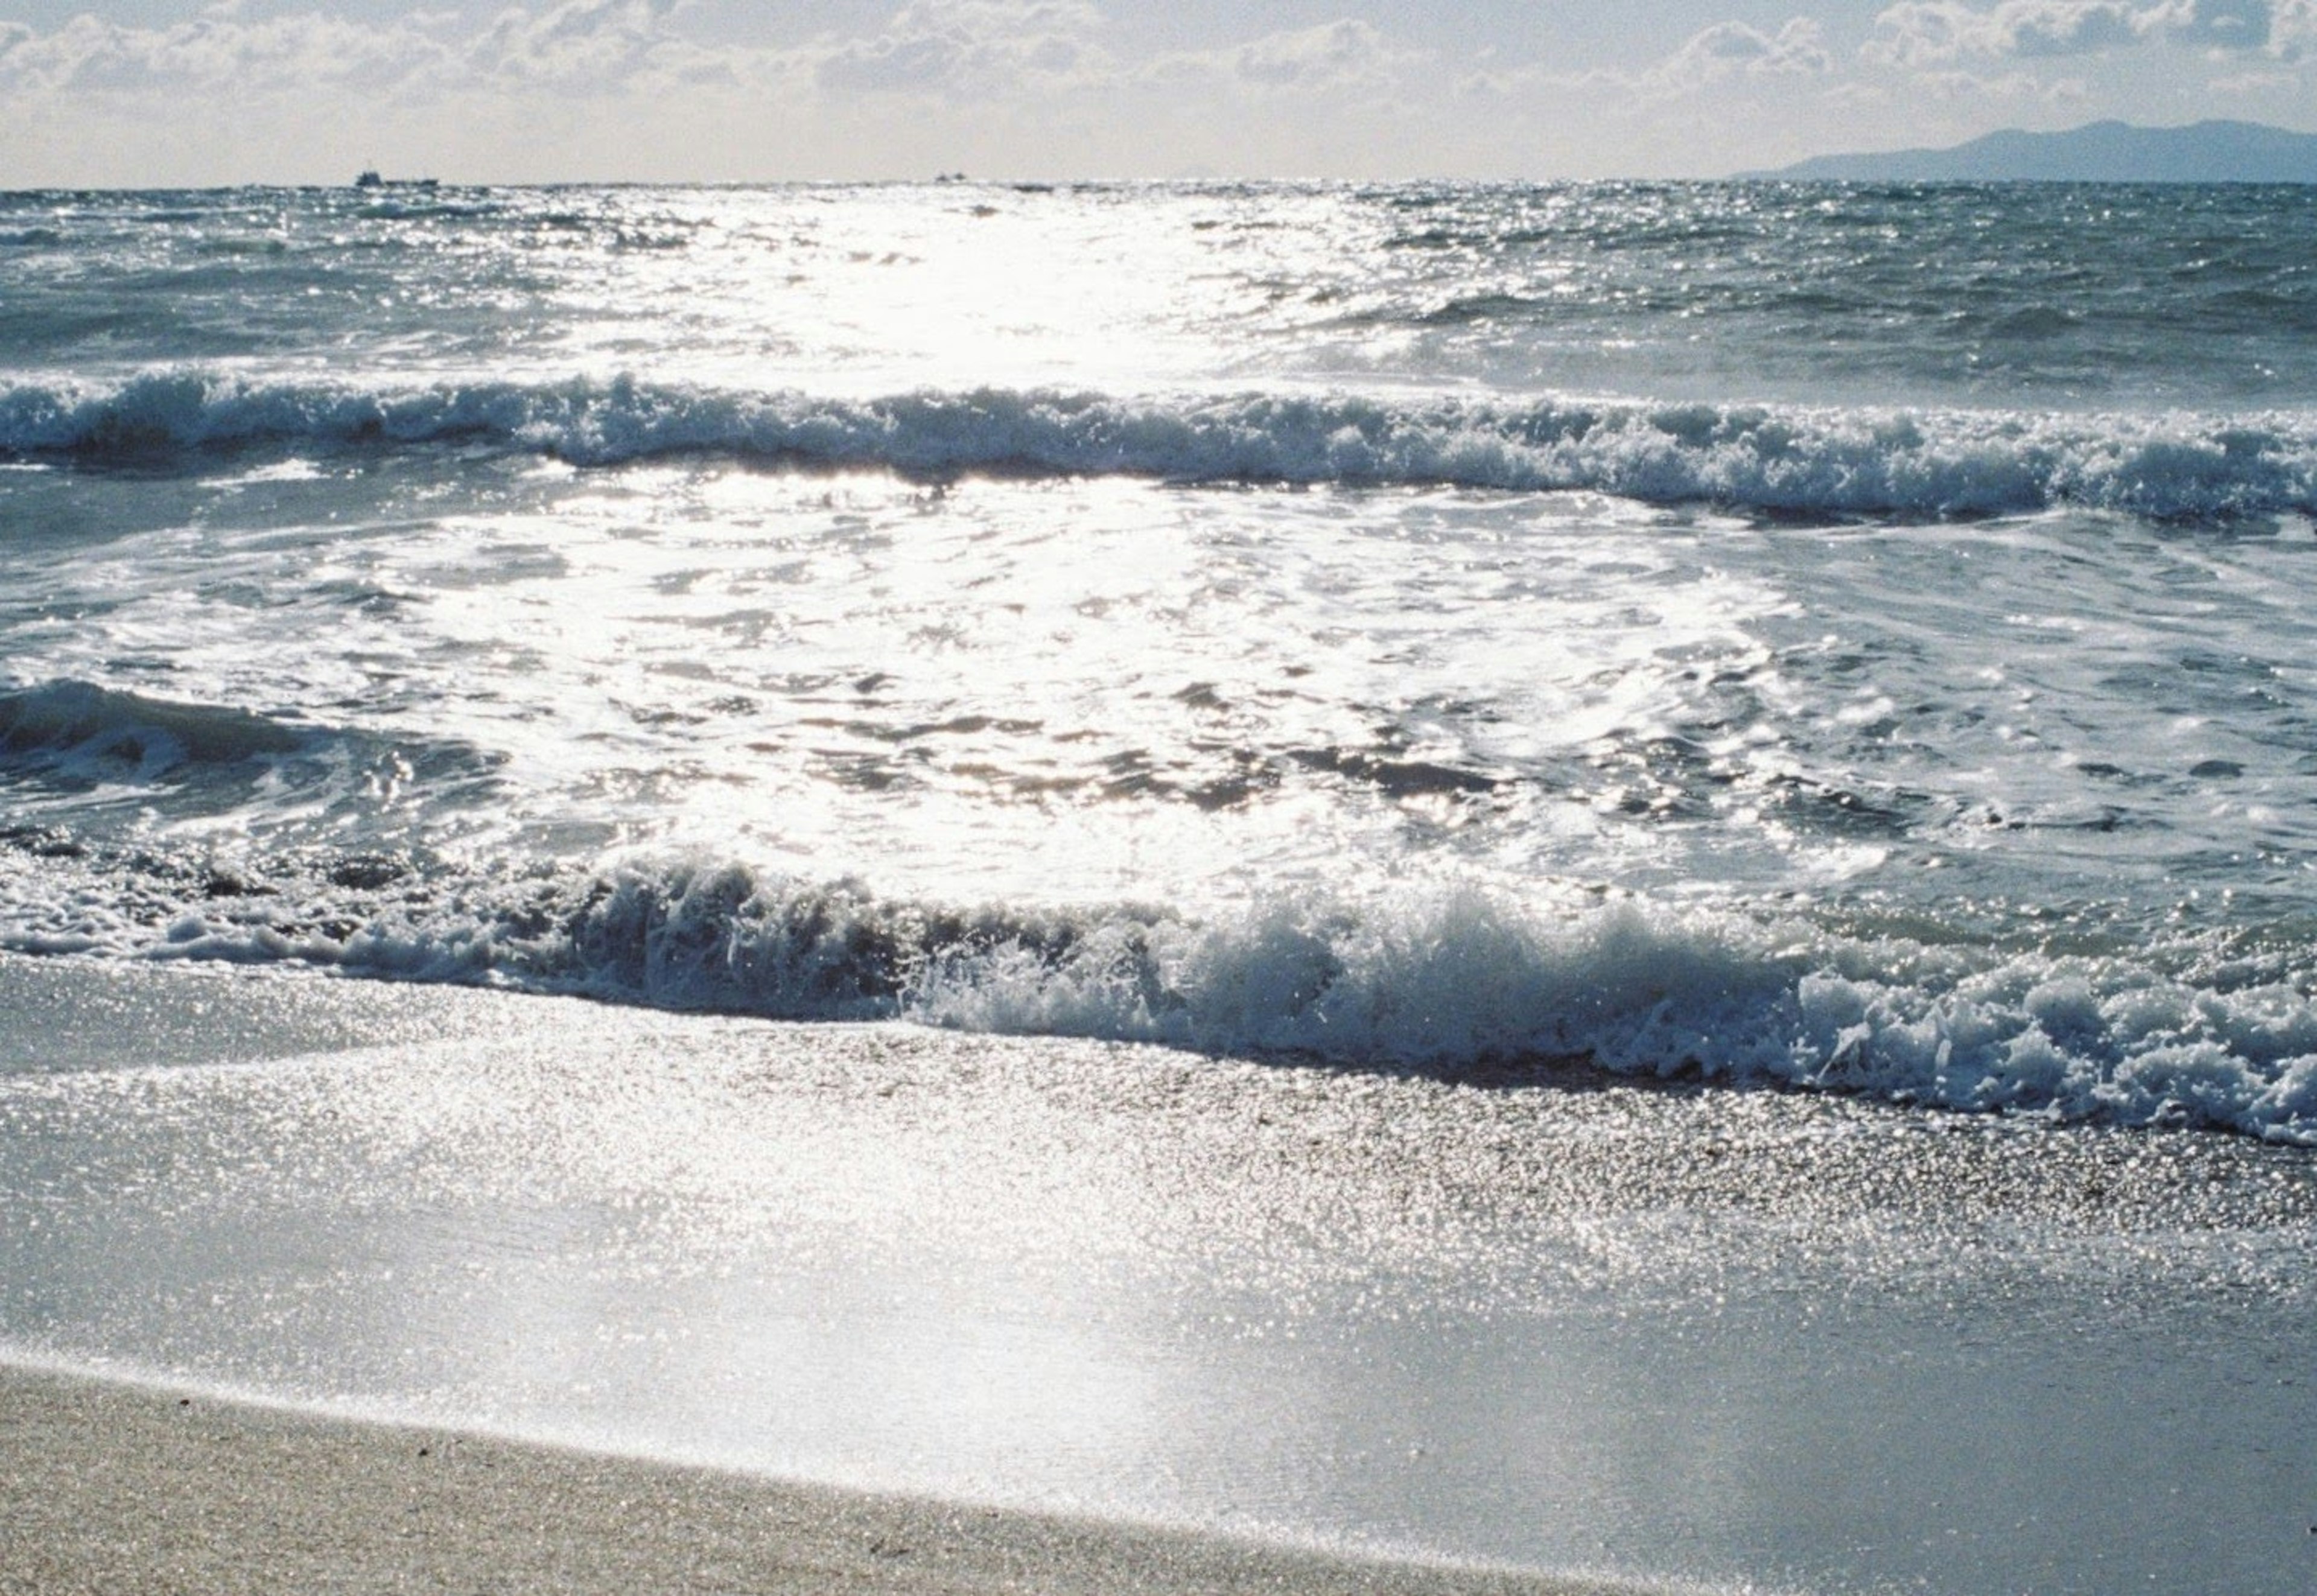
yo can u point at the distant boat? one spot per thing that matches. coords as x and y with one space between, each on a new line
370 179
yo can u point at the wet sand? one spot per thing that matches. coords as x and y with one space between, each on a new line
118 1488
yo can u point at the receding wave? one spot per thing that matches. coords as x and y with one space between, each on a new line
1445 980
1773 459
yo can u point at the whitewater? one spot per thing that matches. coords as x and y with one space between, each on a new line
1838 637
1607 878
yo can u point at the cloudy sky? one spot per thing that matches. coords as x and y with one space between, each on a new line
151 92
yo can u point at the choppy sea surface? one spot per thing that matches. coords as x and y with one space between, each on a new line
1844 637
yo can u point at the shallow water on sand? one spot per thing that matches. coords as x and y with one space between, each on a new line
1663 1332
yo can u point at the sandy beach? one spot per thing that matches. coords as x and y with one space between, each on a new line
119 1488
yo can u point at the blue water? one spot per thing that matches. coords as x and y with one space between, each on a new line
1853 637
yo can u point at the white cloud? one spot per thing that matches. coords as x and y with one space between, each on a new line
1329 56
969 47
1924 33
1338 58
1733 50
2224 24
2292 29
577 43
218 51
2014 87
1725 52
1927 32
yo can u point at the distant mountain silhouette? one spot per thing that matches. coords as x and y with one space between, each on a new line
2101 152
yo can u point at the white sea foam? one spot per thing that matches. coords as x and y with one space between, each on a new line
1446 980
1784 459
306 664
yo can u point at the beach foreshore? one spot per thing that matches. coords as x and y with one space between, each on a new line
991 1305
120 1488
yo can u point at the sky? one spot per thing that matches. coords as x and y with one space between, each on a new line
160 91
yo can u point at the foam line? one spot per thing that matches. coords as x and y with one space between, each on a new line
1770 458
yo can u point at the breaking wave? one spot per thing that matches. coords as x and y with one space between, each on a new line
1447 981
1768 458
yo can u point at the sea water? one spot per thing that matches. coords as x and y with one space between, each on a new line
1851 637
1415 651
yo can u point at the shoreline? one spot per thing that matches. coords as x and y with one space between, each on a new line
115 1485
1516 1338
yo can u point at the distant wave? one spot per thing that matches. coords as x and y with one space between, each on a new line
1445 980
1771 458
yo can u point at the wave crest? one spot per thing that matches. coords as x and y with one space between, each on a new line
1447 982
1771 458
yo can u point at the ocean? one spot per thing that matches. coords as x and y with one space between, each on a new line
1845 646
1848 637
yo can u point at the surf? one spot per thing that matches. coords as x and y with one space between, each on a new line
1885 462
1446 980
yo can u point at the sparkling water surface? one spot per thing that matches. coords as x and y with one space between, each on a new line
1419 653
1849 636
